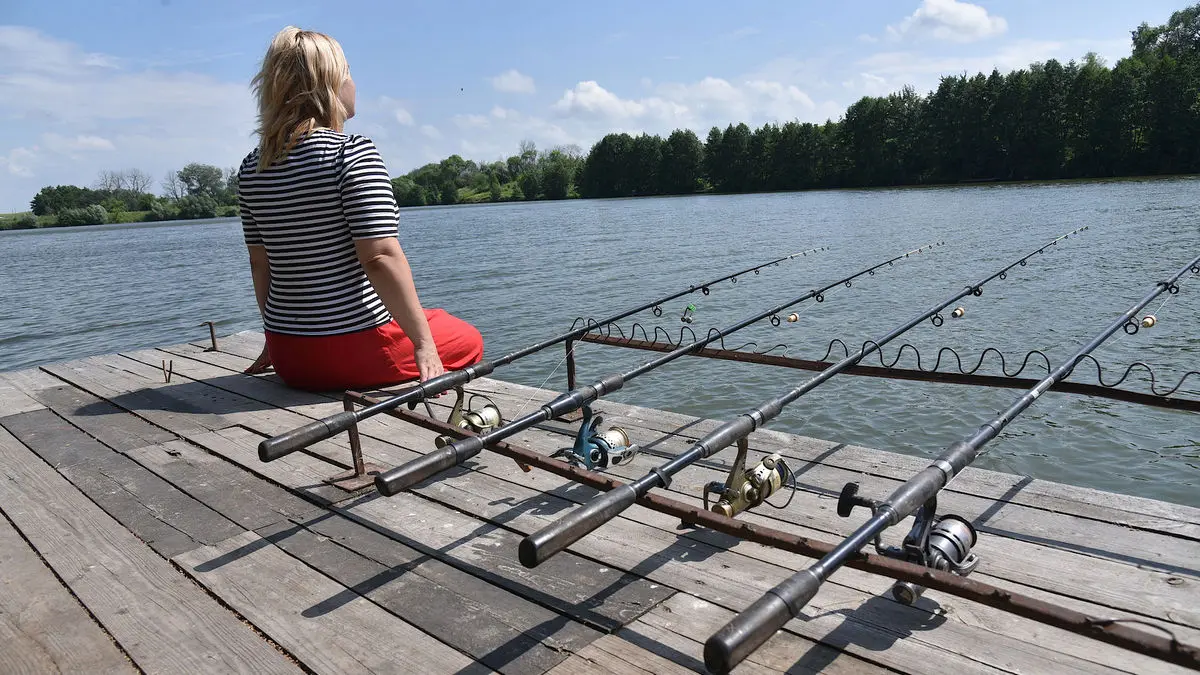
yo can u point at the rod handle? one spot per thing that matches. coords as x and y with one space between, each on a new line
536 548
301 437
747 631
400 478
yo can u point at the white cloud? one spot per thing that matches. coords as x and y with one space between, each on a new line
94 112
430 131
63 144
886 72
403 117
471 121
501 113
18 162
711 100
514 82
950 20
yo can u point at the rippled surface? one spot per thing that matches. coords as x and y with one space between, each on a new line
523 272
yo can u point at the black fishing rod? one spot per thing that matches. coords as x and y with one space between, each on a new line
286 443
746 631
404 476
537 547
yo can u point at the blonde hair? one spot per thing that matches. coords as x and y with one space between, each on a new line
297 89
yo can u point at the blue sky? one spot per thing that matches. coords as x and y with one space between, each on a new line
90 86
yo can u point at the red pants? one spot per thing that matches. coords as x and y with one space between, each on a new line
372 358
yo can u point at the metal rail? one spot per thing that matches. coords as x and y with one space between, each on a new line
1065 387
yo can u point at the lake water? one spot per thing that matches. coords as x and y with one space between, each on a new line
523 272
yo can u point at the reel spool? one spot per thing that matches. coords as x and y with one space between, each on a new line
478 420
594 449
958 312
747 489
942 543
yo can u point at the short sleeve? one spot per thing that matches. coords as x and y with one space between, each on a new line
367 199
249 226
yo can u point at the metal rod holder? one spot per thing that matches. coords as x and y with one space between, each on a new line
212 335
363 473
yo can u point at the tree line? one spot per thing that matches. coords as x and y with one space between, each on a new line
1048 121
527 175
195 191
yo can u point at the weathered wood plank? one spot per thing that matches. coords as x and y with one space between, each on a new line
13 401
695 619
585 590
225 488
162 620
42 628
102 420
613 654
500 629
168 520
661 557
311 616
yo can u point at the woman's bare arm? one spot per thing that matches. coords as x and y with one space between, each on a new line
387 268
260 273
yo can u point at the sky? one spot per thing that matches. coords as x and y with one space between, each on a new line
90 86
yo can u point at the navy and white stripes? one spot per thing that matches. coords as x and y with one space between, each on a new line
307 211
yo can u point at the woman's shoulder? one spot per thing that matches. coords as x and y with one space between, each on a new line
250 161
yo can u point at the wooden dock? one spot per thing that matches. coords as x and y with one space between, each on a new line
142 533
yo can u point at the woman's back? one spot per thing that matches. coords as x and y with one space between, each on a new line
307 211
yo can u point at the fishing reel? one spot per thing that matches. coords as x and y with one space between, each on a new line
938 542
747 489
595 449
478 420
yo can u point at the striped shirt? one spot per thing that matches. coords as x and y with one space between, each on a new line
307 211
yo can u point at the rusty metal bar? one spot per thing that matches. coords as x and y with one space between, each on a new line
363 473
571 363
1110 630
909 374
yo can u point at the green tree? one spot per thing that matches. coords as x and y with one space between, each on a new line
202 180
494 188
197 206
682 162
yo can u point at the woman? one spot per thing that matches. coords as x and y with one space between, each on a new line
339 306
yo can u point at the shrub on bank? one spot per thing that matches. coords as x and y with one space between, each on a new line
201 206
88 215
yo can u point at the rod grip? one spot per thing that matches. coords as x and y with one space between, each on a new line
747 631
301 437
534 549
400 478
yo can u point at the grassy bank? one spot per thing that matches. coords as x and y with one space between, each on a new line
27 221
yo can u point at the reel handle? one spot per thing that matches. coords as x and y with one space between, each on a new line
301 437
539 546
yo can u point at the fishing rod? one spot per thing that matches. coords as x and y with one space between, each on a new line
539 546
406 475
941 543
318 430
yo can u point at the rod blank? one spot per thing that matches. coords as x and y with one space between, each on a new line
747 631
406 475
577 524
